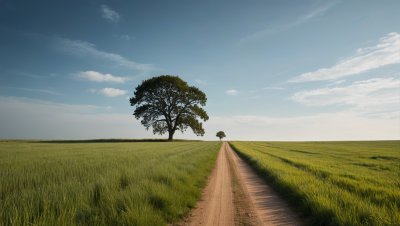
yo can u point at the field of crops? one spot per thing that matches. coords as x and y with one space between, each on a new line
332 183
101 183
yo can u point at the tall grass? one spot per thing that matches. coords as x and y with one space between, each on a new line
140 183
332 183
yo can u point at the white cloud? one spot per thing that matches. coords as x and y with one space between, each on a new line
110 14
98 77
128 98
91 90
385 53
81 48
201 81
284 27
108 108
278 88
111 92
232 92
367 96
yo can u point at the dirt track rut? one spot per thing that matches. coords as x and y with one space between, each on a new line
271 209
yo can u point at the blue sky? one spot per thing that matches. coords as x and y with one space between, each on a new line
271 70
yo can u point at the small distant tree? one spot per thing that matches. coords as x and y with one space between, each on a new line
167 104
221 135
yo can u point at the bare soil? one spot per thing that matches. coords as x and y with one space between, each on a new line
235 195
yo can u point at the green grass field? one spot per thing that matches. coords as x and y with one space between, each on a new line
101 183
332 183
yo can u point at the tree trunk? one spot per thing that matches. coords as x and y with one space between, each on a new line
171 135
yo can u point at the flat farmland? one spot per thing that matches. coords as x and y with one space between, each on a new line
101 183
332 183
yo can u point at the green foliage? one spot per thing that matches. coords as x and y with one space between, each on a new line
171 99
332 183
221 135
107 183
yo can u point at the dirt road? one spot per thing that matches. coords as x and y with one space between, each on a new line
216 205
253 203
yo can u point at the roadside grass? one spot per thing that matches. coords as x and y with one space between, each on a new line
106 183
332 183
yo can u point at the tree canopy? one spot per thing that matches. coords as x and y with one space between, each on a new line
221 135
167 104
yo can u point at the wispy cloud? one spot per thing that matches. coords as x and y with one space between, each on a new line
373 95
278 88
91 90
201 81
360 19
110 14
127 37
108 108
232 92
38 90
337 82
51 75
98 77
42 105
26 74
385 53
320 10
284 27
111 92
86 49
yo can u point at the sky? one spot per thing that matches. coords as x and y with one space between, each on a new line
271 70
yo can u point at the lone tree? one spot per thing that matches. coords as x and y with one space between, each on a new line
168 104
221 135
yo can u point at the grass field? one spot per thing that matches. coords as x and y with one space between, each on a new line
332 183
101 183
